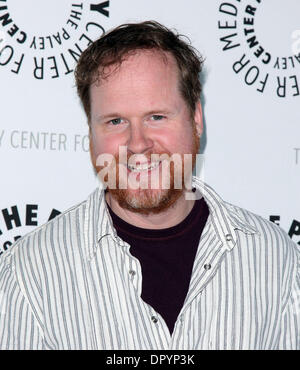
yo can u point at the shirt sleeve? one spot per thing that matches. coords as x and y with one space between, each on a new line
290 325
19 329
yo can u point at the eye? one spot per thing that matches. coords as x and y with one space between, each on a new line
115 121
157 117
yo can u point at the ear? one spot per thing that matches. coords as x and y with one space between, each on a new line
92 155
198 118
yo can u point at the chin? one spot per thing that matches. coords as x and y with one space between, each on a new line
146 201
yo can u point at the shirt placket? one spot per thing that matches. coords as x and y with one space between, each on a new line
161 332
205 267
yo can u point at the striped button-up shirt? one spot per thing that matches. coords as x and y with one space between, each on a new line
73 284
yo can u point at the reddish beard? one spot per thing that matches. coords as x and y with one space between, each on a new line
146 200
150 200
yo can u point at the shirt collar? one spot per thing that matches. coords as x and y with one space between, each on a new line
225 217
98 223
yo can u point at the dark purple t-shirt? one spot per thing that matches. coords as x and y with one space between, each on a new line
166 257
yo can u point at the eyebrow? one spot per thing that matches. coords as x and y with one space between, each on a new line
118 115
106 116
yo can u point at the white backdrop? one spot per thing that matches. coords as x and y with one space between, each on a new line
251 102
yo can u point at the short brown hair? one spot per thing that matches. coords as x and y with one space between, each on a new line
115 45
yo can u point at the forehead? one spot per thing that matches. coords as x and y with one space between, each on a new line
144 80
141 66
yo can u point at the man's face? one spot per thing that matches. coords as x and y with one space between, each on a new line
139 107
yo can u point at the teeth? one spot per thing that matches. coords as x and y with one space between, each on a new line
143 167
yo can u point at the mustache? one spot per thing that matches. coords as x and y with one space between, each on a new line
140 158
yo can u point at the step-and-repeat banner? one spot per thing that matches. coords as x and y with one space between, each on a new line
251 102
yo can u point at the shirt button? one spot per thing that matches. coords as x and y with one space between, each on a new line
132 272
154 319
228 237
207 266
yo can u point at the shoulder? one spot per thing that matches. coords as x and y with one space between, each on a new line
54 234
264 228
37 262
268 250
42 261
267 238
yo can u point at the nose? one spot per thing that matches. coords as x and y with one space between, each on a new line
139 140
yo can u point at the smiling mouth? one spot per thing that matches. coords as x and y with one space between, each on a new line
143 167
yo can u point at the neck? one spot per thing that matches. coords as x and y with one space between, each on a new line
167 218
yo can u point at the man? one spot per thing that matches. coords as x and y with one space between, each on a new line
143 264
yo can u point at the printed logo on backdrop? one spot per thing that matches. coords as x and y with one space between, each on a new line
261 38
43 141
46 38
294 229
20 217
